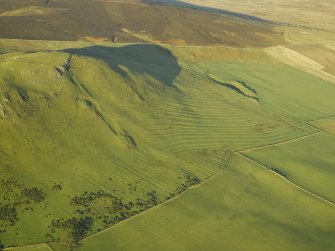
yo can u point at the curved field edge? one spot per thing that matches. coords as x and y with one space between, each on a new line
244 201
308 162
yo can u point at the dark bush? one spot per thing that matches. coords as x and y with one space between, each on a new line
8 213
34 194
78 227
81 227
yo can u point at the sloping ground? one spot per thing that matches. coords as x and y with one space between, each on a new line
28 11
282 89
308 163
110 20
93 133
61 123
327 125
38 247
237 85
320 54
306 13
245 207
301 62
127 127
183 26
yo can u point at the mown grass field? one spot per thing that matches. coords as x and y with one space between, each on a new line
245 207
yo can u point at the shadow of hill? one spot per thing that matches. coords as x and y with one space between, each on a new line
153 60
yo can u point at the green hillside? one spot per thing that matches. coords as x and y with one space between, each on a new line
221 213
130 126
88 126
308 162
165 125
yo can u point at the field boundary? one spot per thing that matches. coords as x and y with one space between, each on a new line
282 142
316 120
29 247
154 207
130 218
321 130
287 180
165 202
310 124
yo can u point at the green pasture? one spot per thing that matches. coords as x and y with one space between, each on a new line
327 125
245 207
309 163
93 134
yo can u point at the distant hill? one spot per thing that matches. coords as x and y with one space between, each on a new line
94 20
307 13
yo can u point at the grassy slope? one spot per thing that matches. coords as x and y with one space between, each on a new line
287 11
261 77
245 207
308 163
283 89
38 247
78 124
81 125
319 53
27 11
70 139
328 125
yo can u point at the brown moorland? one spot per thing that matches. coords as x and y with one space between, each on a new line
149 22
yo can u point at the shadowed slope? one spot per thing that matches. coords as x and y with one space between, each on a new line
159 62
